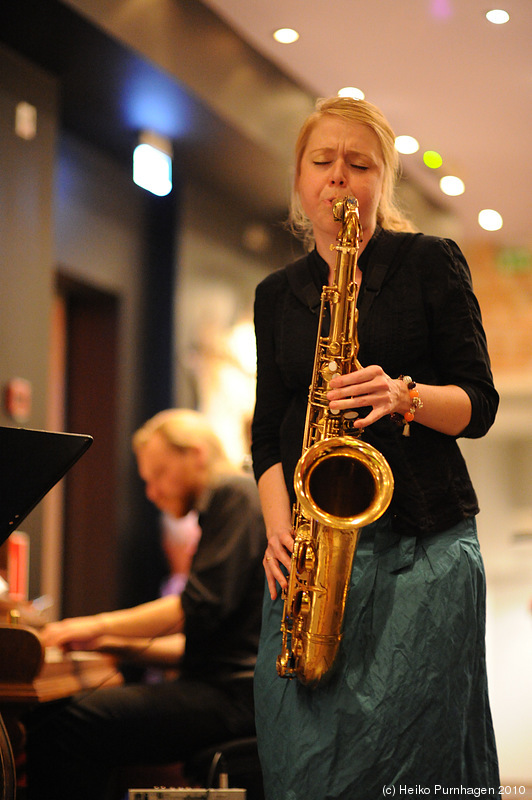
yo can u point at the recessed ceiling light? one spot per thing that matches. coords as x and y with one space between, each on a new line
452 185
406 145
490 220
286 35
497 16
351 91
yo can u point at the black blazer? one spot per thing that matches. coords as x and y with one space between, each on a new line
418 316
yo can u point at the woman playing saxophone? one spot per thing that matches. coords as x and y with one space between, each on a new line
406 704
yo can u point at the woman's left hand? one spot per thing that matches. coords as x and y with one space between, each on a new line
368 386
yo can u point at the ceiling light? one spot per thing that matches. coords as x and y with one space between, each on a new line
351 91
152 164
432 159
452 185
490 220
406 145
497 16
286 35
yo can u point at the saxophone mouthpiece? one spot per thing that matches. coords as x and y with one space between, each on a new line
342 205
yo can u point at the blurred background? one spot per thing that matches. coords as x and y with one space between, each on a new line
116 302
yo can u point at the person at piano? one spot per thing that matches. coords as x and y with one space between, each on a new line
210 631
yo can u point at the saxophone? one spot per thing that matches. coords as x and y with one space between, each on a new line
341 482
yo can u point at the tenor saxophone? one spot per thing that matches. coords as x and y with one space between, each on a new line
341 482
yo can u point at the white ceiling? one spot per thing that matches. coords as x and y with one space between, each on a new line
440 72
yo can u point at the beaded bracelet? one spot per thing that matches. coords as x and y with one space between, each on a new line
415 403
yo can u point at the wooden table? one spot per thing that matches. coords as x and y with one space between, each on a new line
29 674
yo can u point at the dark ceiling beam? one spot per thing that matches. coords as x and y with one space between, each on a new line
171 66
191 43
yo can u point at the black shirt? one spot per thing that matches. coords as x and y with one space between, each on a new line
222 599
424 322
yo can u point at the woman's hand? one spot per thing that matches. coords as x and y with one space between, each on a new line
446 409
278 519
279 551
369 386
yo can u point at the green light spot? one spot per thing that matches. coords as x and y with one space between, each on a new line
432 159
515 260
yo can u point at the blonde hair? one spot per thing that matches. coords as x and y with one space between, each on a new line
389 214
184 428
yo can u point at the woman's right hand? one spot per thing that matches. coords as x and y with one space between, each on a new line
279 551
277 515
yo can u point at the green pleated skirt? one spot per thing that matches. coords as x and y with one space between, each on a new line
406 705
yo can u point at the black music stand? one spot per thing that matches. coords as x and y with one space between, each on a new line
31 463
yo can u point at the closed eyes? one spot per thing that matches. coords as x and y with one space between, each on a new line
361 167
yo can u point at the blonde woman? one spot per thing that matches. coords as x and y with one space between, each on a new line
406 703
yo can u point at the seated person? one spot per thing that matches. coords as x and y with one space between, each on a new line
179 541
212 628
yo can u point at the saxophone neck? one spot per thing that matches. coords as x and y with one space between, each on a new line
350 234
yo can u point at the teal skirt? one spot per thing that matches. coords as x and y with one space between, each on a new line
406 704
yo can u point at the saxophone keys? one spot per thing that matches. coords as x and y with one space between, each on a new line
302 604
306 558
350 415
329 370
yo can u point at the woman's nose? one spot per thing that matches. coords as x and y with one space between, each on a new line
338 175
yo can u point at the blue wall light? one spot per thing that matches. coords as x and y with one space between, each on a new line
152 164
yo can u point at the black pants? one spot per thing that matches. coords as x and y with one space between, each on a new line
73 747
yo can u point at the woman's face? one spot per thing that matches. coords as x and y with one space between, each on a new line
341 158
